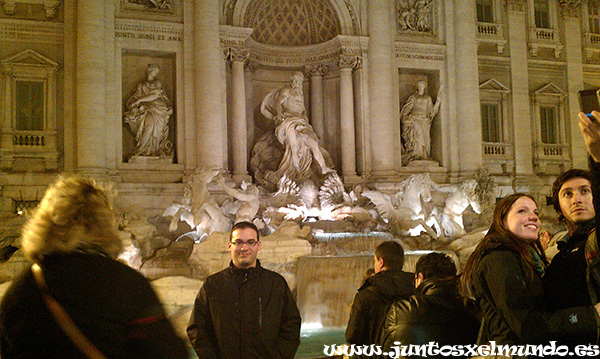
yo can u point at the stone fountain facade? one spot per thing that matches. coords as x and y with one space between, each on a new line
76 85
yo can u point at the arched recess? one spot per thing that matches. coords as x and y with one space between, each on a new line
235 11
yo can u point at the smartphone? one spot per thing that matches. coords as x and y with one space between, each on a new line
588 101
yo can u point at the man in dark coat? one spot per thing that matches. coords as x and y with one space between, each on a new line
388 284
436 313
245 311
564 281
573 277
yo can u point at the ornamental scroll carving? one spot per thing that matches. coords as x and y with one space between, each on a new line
317 70
348 62
515 5
571 8
236 54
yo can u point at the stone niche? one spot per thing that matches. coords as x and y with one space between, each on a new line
407 85
133 71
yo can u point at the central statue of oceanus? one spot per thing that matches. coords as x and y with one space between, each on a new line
292 149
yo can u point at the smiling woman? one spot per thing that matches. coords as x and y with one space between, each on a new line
504 275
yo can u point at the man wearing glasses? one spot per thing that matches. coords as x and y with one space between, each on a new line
245 311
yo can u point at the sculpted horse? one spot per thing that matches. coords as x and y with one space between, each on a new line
404 211
198 208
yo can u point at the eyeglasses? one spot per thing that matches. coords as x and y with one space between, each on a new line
240 244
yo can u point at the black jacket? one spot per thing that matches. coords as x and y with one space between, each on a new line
113 305
372 301
511 301
565 282
436 313
245 313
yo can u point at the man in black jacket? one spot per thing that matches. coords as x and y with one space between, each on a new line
245 311
388 284
564 282
436 313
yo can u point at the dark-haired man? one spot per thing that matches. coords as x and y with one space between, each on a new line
565 284
572 278
245 311
435 313
388 284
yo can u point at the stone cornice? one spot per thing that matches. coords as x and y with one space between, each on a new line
31 31
232 36
294 56
420 51
149 30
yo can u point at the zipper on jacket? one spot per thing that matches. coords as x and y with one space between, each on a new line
259 312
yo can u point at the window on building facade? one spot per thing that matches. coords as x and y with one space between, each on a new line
485 11
30 106
490 122
542 14
29 115
549 124
594 17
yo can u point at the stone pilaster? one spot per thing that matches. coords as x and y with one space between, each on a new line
519 78
467 109
91 85
238 138
571 11
348 133
211 126
383 120
363 135
316 73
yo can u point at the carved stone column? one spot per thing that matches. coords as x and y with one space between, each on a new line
574 58
90 84
383 120
316 73
238 137
211 124
348 133
467 114
517 33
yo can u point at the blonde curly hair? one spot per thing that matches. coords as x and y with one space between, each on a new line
74 215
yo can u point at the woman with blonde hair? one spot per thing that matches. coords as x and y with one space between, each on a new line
77 300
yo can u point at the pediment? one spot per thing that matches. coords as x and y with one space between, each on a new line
549 89
493 85
30 57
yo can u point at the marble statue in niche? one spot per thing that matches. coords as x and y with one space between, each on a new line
148 112
414 15
416 117
301 157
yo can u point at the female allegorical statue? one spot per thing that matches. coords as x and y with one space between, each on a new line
148 113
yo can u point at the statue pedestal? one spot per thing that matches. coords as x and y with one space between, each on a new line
423 163
150 160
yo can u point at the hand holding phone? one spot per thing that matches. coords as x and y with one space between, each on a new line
589 101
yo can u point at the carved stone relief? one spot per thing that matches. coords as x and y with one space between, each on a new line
415 16
162 6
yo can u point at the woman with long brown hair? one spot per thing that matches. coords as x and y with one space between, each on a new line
503 275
